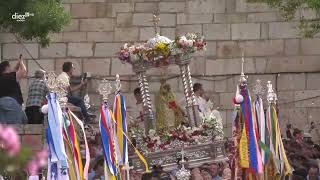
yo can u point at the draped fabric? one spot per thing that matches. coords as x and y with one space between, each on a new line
57 161
119 111
106 126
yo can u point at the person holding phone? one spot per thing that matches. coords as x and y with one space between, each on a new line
11 98
65 76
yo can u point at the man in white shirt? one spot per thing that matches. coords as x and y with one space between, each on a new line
204 103
68 69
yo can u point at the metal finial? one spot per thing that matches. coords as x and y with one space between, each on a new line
258 88
155 21
105 89
243 79
183 173
272 96
118 83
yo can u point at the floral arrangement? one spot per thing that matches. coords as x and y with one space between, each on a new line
16 161
177 137
187 44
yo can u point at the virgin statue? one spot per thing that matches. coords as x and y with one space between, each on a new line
168 112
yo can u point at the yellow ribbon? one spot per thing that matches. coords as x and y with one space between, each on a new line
243 149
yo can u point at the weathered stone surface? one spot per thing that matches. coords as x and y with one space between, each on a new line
293 64
198 66
211 48
313 114
245 31
263 48
172 6
97 67
230 6
33 129
67 7
97 24
307 98
291 81
80 49
230 18
77 63
207 84
100 36
72 1
18 128
74 36
313 81
54 50
72 26
244 6
283 30
183 18
183 29
260 65
168 20
12 51
296 116
124 19
146 7
292 46
285 99
142 19
117 67
111 9
146 33
310 46
264 78
264 31
205 6
168 32
47 64
107 49
226 100
228 49
83 10
7 38
263 17
217 31
228 66
126 34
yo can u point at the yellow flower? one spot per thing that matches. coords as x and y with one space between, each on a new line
162 48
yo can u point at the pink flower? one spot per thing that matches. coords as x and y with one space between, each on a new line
32 167
42 157
126 54
10 140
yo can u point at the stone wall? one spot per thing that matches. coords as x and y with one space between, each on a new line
273 48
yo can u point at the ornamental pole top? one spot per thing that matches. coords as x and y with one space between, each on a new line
272 96
258 88
105 89
118 83
155 21
243 78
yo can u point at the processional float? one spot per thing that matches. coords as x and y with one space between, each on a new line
65 160
157 52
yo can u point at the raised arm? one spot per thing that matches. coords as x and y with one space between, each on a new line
21 70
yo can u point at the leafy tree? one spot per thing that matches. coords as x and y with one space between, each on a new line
47 16
288 9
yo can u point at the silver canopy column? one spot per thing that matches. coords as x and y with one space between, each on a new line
191 108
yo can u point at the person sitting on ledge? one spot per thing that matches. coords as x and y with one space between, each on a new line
65 76
11 99
36 98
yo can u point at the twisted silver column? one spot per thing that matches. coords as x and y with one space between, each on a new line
192 109
147 106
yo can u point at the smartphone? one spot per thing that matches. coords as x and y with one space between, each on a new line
84 76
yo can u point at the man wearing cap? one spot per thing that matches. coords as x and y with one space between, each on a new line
36 98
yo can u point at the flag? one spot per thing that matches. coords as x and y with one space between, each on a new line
57 161
255 163
119 111
107 137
